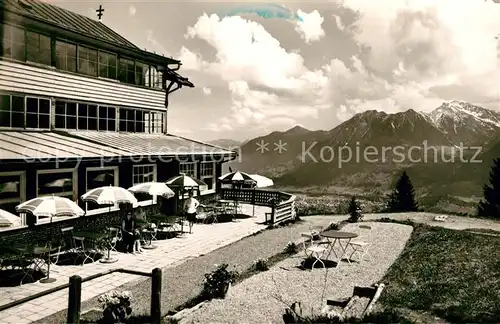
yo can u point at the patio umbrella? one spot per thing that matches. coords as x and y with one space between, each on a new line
185 182
110 195
8 219
12 186
50 206
153 189
237 177
60 183
261 181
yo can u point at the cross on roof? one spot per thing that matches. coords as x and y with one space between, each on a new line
100 12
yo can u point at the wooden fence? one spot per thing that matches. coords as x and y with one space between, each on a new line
282 204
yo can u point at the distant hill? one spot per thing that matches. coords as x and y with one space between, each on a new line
300 158
226 143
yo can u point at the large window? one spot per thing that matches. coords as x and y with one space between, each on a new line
126 71
144 173
38 48
11 111
107 118
107 65
83 116
25 45
153 122
59 182
12 190
141 73
188 168
65 56
65 115
13 42
87 61
207 174
100 177
37 113
132 120
87 117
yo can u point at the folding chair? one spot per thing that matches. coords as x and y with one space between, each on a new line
116 236
313 250
359 246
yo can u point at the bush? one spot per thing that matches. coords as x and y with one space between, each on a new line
354 210
216 283
291 248
330 205
116 306
261 265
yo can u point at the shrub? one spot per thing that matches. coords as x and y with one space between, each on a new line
291 248
261 265
354 210
116 306
217 282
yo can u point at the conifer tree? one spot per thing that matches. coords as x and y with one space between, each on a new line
402 198
354 210
490 205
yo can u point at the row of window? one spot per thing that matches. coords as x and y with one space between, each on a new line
62 182
23 45
29 112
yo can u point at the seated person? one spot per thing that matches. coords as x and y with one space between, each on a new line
131 234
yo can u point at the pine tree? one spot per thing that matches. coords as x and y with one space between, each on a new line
354 210
402 198
490 205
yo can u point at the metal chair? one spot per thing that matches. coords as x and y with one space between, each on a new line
116 236
360 246
312 250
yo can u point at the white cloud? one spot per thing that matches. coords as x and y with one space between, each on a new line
309 25
256 68
207 91
132 10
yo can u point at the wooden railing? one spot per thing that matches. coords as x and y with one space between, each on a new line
282 204
75 293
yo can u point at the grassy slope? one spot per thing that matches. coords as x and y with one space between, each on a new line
452 274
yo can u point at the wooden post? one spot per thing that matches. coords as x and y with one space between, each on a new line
74 299
156 284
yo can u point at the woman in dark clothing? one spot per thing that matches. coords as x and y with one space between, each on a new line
131 236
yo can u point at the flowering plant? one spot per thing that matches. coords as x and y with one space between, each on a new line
216 283
116 306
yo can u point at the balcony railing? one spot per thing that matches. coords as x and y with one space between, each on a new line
282 204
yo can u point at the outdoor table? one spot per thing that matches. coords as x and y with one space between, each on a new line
94 239
335 237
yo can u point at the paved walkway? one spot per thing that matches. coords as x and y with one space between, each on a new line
170 252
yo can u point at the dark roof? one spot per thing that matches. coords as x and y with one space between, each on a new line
66 19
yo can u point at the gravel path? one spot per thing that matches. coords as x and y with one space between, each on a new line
264 297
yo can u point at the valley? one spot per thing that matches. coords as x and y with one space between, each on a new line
447 154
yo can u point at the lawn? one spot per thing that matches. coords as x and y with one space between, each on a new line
454 275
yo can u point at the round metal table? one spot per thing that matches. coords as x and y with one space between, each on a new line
335 237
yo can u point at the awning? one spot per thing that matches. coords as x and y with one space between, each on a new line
152 144
45 146
32 146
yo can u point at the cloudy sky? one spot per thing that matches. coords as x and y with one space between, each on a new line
262 67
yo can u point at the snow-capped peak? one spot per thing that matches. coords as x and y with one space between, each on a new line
463 113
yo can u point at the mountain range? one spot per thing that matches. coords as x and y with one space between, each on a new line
440 150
